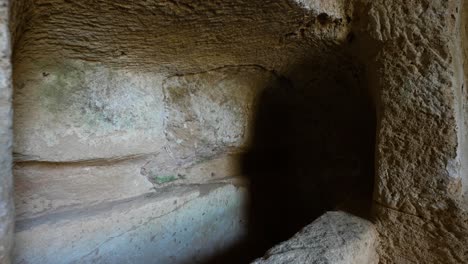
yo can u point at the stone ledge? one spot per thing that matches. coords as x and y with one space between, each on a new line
198 221
42 188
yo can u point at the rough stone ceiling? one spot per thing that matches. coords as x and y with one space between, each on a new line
180 36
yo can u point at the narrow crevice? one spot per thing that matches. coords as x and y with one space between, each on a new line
398 210
22 161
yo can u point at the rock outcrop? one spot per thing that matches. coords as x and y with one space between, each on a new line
335 237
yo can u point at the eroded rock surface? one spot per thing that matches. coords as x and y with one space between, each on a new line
336 237
420 212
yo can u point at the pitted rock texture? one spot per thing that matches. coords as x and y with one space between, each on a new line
327 8
420 213
336 237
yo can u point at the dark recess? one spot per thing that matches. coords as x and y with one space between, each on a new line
312 151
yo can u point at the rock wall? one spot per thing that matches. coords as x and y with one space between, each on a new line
120 104
419 199
462 96
6 139
141 127
184 224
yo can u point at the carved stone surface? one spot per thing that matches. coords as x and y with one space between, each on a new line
419 207
335 237
211 113
185 224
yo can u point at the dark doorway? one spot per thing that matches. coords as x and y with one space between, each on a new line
312 151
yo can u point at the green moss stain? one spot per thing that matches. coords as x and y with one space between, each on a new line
164 179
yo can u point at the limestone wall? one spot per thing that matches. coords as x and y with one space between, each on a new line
166 109
6 138
419 200
145 127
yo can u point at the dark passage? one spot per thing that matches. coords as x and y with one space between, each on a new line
312 151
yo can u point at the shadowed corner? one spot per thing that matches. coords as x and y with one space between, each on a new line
312 151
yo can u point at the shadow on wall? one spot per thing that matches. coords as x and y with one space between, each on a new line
312 151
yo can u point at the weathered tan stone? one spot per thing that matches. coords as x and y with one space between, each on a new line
335 237
178 37
419 208
336 8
